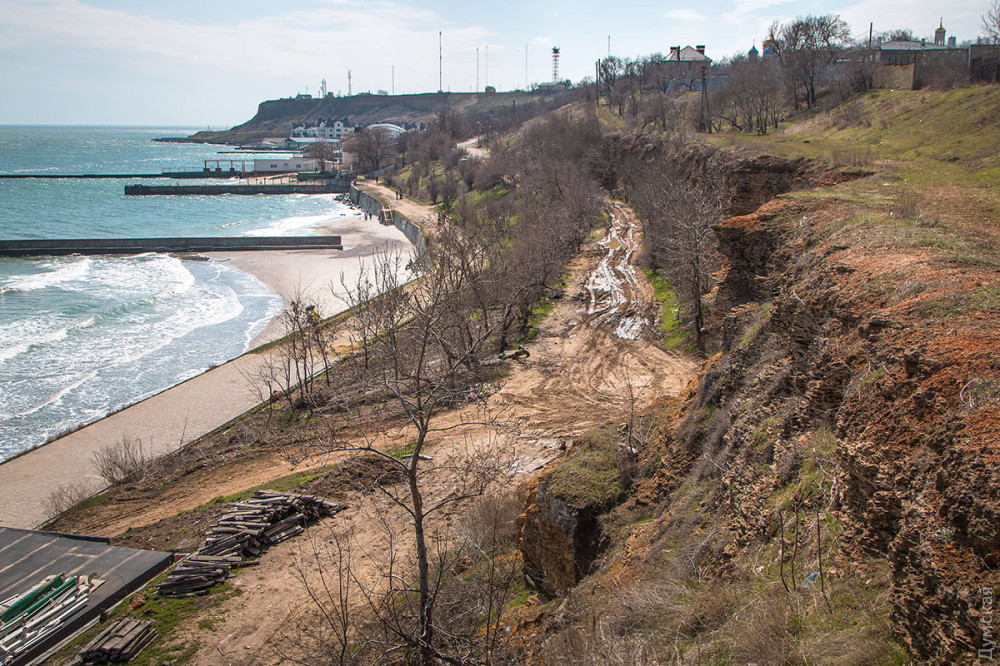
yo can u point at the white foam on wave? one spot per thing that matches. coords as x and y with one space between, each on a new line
299 224
137 278
168 320
24 343
53 399
63 271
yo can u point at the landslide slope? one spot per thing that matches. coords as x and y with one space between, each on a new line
828 490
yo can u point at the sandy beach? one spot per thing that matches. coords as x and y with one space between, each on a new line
193 408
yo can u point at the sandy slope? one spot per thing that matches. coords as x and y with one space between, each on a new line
575 378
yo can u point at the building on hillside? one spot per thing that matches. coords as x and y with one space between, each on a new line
912 64
392 130
325 129
684 68
770 47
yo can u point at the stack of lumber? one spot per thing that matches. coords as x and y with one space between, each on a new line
245 530
30 618
119 643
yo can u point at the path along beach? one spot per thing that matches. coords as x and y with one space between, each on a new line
193 408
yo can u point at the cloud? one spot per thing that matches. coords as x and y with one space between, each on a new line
684 15
743 10
294 44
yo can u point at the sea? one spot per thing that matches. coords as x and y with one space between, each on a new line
81 337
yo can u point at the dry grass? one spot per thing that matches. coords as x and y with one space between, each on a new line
65 497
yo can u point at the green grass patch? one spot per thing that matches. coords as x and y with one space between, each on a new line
283 484
589 474
401 452
538 314
675 336
167 615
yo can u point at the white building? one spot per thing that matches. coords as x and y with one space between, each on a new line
324 130
392 130
293 165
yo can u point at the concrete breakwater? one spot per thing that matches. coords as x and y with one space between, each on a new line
93 246
329 187
373 206
191 175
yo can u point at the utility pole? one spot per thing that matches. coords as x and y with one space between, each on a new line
597 81
704 98
440 64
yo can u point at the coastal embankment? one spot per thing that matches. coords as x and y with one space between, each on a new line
199 405
92 246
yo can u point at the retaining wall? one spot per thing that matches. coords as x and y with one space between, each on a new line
370 204
46 247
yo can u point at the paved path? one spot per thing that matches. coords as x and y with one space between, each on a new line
411 210
186 411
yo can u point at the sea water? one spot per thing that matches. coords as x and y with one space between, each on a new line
81 337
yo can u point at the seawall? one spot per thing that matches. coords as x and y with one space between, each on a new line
373 206
92 246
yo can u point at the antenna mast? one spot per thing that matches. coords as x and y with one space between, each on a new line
440 64
348 83
555 63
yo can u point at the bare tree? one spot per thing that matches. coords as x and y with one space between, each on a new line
324 152
427 362
681 210
749 102
374 149
808 46
289 368
991 23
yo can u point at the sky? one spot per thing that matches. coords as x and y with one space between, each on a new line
209 63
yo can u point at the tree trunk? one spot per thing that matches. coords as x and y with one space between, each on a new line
423 565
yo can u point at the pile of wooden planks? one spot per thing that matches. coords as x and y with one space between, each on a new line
245 530
119 643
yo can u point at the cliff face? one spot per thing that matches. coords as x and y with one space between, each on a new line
883 346
841 446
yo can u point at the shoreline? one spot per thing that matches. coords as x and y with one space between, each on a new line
181 413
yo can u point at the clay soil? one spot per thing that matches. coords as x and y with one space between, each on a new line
599 337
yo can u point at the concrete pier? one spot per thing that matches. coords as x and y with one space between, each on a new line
95 246
231 173
330 187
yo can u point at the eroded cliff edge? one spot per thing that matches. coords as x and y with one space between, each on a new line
829 487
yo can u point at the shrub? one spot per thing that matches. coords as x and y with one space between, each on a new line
123 462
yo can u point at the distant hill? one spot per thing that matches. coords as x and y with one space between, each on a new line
274 118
